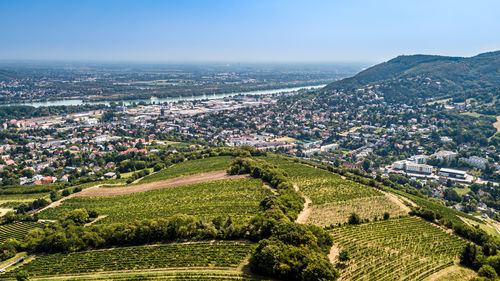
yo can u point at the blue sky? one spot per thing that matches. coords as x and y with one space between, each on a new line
245 31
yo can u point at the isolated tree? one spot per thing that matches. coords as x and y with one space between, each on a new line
354 219
386 215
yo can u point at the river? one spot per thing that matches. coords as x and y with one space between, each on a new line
169 100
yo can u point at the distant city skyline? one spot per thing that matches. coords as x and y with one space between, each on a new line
245 31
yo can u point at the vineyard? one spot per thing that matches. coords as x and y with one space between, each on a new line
190 167
407 248
335 198
366 207
17 230
238 198
322 186
178 275
192 255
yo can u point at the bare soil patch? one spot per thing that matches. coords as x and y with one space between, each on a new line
185 180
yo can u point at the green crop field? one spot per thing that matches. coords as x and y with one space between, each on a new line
17 230
238 198
322 186
407 248
190 167
192 255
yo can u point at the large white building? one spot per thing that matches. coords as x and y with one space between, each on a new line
445 155
478 162
412 167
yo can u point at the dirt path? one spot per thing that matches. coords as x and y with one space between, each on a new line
96 219
185 180
394 198
334 253
306 211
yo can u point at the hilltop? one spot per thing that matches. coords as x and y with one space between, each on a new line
424 76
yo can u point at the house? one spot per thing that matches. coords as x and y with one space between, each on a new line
48 180
109 175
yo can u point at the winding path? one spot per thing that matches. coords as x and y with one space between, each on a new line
306 211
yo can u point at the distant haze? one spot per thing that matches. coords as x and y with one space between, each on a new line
245 31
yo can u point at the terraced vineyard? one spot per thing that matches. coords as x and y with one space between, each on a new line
190 167
407 248
238 198
322 186
335 198
17 230
193 255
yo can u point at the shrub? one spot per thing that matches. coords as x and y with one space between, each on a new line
354 219
344 255
386 215
488 272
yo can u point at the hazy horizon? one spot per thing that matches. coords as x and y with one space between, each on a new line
244 31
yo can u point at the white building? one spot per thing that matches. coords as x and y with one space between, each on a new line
412 167
329 147
311 151
419 159
445 139
478 162
445 155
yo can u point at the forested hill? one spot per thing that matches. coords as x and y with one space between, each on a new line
422 76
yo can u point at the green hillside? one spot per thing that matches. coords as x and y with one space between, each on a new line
424 76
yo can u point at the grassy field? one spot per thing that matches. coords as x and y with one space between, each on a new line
366 207
407 248
238 198
17 230
213 255
190 167
453 273
462 191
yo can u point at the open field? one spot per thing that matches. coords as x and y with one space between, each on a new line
209 255
17 230
366 207
183 180
407 248
190 167
238 198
